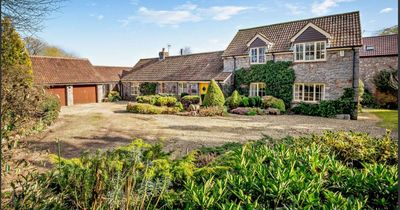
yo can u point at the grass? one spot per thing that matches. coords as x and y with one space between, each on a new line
389 117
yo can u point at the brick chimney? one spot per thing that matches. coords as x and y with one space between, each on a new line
163 54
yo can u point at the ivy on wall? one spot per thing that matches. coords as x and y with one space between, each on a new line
278 76
148 88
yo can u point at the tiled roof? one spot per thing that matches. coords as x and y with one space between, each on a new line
111 73
193 67
382 46
345 31
57 70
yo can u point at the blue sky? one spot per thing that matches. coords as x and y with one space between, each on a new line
119 32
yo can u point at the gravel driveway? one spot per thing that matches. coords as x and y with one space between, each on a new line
106 125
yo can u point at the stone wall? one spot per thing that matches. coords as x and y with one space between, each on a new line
336 72
241 62
369 66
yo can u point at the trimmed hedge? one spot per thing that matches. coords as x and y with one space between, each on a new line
190 99
212 111
329 108
113 96
151 109
272 102
278 76
166 101
214 96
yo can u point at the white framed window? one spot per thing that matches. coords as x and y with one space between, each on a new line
193 88
308 92
257 89
310 51
257 55
135 89
183 87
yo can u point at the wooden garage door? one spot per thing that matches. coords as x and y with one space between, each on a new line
60 92
85 94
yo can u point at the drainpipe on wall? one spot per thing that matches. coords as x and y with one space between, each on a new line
273 57
234 68
354 115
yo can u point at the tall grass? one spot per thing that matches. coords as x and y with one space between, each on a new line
307 172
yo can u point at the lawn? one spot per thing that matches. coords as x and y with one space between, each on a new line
389 117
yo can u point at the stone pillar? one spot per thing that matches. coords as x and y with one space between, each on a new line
70 95
99 93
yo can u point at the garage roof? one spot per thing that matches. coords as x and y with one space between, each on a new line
60 70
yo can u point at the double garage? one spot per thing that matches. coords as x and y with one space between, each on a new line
81 94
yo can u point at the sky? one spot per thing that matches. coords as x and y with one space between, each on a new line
120 32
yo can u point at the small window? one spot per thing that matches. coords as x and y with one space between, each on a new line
135 89
257 55
183 88
369 48
193 88
308 92
257 89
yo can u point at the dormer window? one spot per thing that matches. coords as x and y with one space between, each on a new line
310 51
257 55
258 47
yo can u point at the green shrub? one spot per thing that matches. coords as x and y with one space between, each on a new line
148 88
144 108
306 109
179 105
278 76
342 170
212 111
272 102
234 100
245 102
368 100
214 96
50 108
148 99
255 101
184 94
190 99
166 101
386 81
113 96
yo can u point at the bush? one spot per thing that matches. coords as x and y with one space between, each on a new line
245 102
179 106
190 99
214 96
272 102
240 111
255 101
149 99
234 100
368 100
50 108
342 170
144 108
278 76
113 96
184 94
148 88
211 111
166 101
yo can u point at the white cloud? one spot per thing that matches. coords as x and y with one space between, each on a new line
294 9
225 12
323 7
184 13
386 10
167 17
100 17
187 6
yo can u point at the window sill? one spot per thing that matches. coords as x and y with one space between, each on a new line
307 102
313 61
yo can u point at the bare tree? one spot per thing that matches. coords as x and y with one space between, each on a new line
34 46
27 15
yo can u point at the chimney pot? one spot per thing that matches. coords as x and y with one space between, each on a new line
162 55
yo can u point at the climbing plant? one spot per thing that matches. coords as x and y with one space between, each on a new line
278 76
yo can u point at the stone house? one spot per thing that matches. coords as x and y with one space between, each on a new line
377 53
176 74
324 52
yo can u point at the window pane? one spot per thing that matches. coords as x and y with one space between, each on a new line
253 89
299 51
308 92
309 51
261 55
254 55
320 50
261 89
298 92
